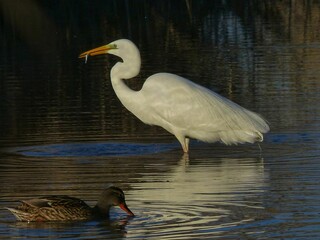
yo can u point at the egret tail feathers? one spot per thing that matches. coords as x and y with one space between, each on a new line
235 137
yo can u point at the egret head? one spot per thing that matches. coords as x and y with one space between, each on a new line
99 50
123 48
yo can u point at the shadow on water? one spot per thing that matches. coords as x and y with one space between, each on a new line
92 149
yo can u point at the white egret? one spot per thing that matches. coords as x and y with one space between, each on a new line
183 108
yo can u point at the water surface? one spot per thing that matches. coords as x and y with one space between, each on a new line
63 131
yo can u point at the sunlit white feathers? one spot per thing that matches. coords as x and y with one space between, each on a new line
183 108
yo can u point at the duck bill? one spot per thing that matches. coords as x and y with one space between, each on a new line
98 51
125 208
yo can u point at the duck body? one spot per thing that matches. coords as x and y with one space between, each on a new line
53 208
65 208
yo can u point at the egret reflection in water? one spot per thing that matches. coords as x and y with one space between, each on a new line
222 177
202 194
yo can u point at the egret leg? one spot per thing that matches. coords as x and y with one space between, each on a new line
184 143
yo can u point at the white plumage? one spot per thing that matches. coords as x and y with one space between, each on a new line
180 106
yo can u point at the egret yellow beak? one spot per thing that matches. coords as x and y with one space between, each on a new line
97 51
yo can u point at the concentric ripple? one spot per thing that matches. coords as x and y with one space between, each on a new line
184 221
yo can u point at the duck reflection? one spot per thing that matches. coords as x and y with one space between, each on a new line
114 229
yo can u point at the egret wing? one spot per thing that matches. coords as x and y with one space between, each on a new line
178 104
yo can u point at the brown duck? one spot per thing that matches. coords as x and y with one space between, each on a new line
65 208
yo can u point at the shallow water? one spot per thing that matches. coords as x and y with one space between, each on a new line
63 131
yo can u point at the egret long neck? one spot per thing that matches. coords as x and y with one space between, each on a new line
126 95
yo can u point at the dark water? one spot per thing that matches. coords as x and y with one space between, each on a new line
63 131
